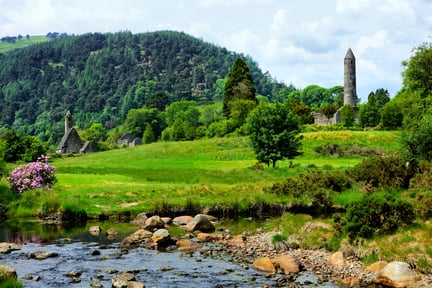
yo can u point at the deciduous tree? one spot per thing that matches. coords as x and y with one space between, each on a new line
273 130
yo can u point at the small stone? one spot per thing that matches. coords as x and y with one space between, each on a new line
95 253
42 255
166 268
95 230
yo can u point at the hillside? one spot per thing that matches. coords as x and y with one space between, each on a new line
6 46
99 77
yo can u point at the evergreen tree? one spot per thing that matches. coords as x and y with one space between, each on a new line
238 86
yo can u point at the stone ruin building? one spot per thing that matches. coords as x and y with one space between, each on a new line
127 140
350 91
71 142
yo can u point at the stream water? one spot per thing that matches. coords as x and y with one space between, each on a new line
98 259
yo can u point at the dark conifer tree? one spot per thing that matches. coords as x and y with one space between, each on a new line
238 86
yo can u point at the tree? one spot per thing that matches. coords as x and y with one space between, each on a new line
273 130
238 86
391 116
148 136
369 113
137 120
417 90
347 115
301 110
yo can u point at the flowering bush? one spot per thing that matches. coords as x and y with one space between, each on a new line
33 175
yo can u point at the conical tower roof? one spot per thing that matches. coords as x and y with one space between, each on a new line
349 54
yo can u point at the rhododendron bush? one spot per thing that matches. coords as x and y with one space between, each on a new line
33 175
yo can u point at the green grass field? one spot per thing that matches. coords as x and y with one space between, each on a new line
5 47
206 172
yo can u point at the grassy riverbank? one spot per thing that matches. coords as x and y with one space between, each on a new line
203 173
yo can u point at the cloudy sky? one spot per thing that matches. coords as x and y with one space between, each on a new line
299 42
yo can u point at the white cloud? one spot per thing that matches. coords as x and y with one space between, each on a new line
298 41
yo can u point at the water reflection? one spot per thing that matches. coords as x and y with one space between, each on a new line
24 231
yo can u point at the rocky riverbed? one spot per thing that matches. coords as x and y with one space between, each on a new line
196 259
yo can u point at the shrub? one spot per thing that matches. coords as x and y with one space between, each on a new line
33 175
336 150
376 214
383 172
308 183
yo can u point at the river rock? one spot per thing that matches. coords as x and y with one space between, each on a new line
264 264
182 220
200 222
161 237
140 219
154 223
336 260
208 237
7 273
111 234
139 237
42 255
397 274
95 230
186 245
126 280
286 263
376 267
6 248
237 241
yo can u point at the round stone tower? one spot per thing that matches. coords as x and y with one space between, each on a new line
68 122
350 94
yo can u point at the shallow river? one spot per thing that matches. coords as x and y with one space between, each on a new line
98 259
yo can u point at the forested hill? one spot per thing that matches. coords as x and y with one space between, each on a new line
99 77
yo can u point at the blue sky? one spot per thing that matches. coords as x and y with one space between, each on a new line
300 42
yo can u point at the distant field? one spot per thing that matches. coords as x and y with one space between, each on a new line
4 47
205 172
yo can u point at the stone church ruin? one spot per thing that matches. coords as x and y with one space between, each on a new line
71 142
350 91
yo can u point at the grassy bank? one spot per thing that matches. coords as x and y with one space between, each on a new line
205 172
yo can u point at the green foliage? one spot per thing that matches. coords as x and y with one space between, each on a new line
183 111
391 116
376 214
138 119
273 131
25 148
347 115
303 111
307 183
148 136
11 284
383 172
317 97
417 91
238 86
100 77
347 150
328 110
239 111
416 137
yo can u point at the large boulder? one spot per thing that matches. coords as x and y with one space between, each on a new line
200 223
6 248
140 219
264 264
397 274
140 236
161 237
286 264
182 220
154 223
7 273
